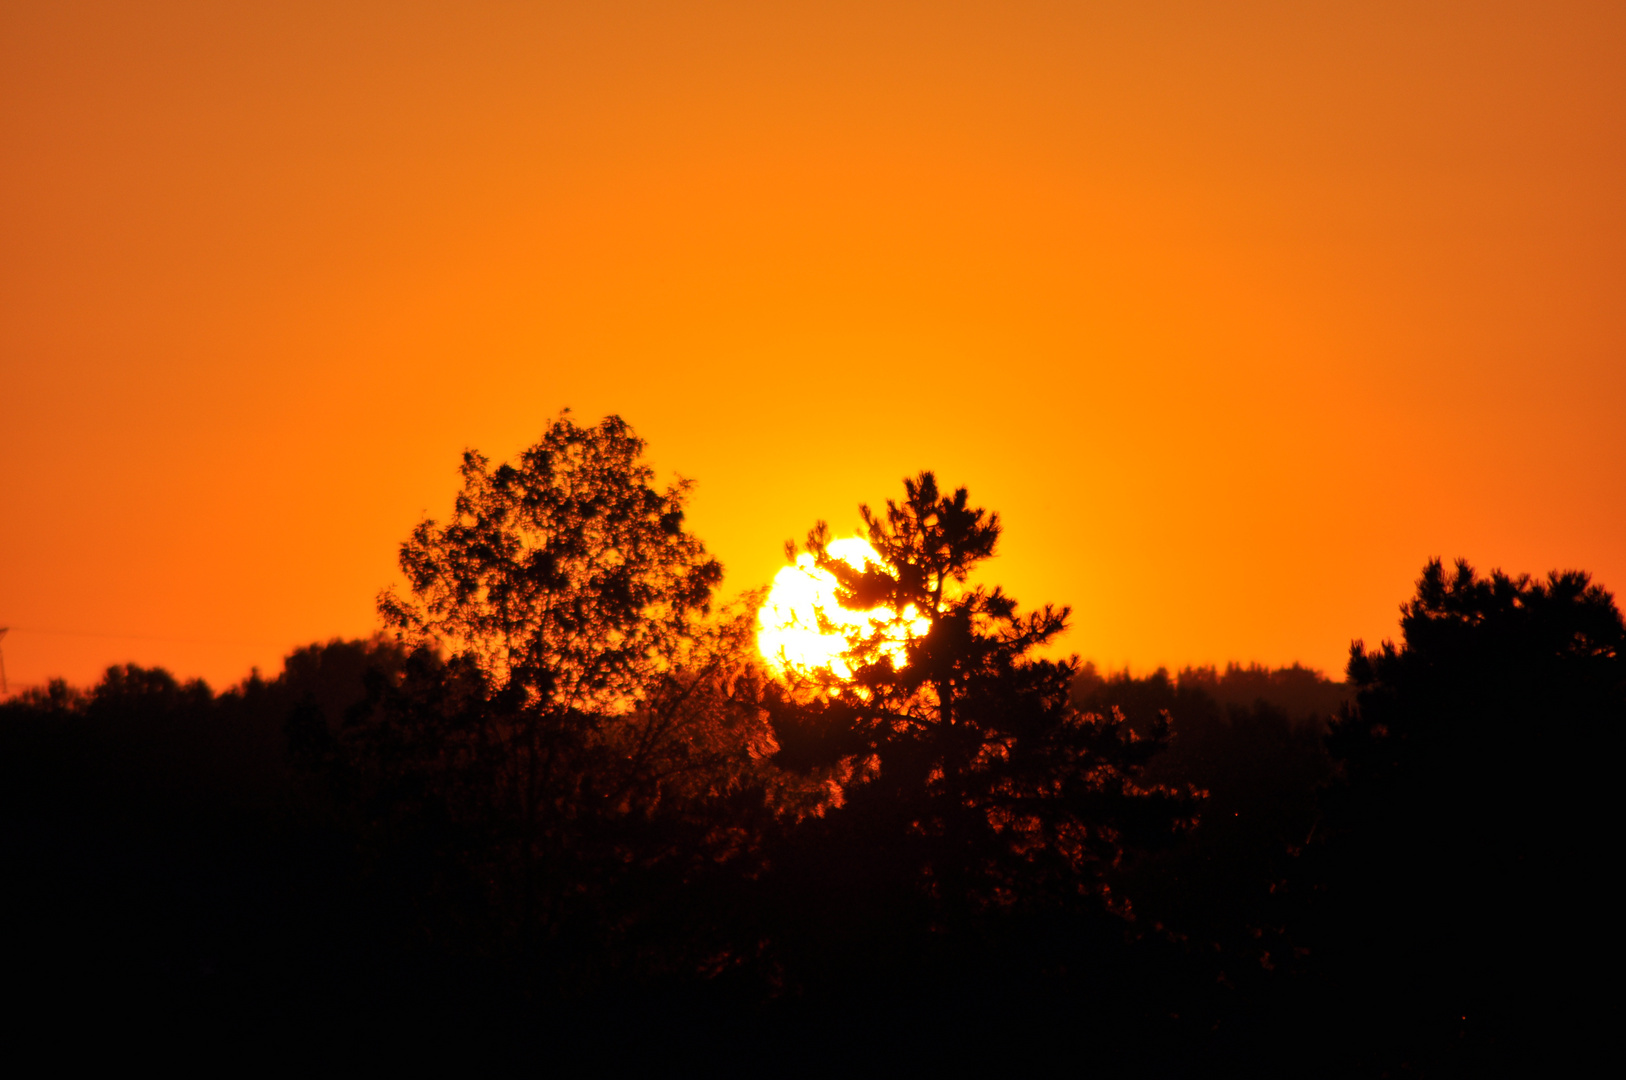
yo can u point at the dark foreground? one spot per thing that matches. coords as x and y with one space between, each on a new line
1393 876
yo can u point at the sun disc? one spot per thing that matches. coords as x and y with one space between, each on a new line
791 635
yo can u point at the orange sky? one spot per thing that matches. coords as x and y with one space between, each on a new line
1235 312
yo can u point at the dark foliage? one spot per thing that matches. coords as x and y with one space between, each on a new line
1252 739
1230 895
982 814
1462 869
165 868
566 821
573 749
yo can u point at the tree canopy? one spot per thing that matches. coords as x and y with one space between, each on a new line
971 747
1465 831
566 577
576 711
568 797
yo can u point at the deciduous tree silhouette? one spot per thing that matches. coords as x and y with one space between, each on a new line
566 579
579 734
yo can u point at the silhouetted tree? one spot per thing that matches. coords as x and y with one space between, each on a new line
576 729
1467 833
567 580
977 800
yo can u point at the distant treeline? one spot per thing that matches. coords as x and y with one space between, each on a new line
190 850
563 816
1304 695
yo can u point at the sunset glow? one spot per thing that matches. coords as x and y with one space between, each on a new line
1153 281
802 626
1172 453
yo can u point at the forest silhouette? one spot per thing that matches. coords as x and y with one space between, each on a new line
560 813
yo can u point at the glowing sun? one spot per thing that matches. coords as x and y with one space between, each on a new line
791 635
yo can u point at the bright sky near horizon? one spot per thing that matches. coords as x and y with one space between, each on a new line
1235 312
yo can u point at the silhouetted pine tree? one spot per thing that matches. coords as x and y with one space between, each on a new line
1468 833
980 810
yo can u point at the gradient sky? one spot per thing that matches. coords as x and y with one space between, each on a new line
1236 312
